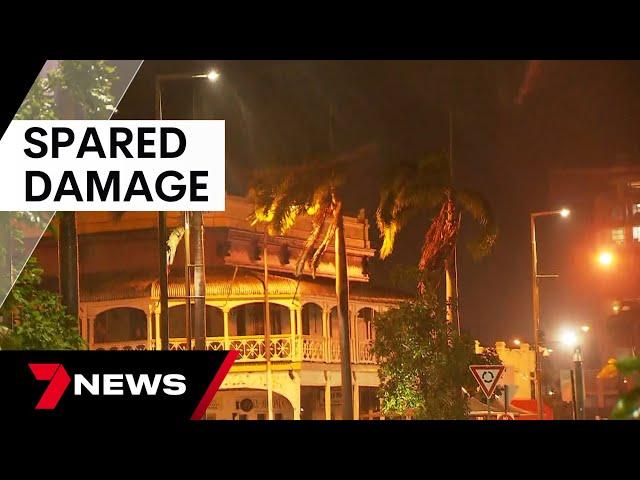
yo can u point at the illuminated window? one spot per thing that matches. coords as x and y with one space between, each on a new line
617 235
636 233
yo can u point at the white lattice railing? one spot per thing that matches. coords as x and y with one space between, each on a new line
252 349
306 348
212 343
335 354
126 345
313 348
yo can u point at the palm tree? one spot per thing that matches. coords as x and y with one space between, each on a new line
313 189
427 187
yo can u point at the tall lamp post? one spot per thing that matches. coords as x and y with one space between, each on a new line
535 296
212 76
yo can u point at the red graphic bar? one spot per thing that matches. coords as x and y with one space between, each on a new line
213 387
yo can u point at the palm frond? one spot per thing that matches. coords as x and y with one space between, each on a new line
318 222
440 238
478 207
397 207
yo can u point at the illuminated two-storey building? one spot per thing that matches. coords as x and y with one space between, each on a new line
119 307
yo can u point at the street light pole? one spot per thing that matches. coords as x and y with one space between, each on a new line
579 382
267 327
212 76
162 246
535 297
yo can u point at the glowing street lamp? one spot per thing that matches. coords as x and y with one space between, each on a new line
211 75
606 258
569 338
517 342
535 294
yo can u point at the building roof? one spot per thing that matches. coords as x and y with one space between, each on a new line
222 282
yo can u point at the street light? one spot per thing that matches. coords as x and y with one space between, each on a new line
569 338
212 76
517 342
162 231
605 258
535 296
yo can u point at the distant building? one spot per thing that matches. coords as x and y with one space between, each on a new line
608 200
119 307
520 364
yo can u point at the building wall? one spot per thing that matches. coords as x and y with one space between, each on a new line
110 244
118 256
520 364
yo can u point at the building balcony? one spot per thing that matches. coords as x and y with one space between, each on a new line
284 348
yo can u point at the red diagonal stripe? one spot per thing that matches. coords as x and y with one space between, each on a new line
198 413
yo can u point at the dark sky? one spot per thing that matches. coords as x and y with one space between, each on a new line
513 121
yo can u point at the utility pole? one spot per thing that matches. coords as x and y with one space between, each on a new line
162 248
199 281
535 296
267 327
187 279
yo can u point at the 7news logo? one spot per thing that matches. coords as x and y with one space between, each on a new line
173 384
112 386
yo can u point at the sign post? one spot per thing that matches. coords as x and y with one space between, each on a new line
487 377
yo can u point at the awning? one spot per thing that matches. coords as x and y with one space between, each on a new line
222 282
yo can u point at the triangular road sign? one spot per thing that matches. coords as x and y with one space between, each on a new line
487 377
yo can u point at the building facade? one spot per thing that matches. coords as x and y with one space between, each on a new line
119 307
608 203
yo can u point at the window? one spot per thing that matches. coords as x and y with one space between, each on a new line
177 319
120 325
617 235
636 233
312 319
248 319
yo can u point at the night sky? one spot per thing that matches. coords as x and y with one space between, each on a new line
513 121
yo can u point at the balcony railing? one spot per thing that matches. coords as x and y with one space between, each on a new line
125 345
305 348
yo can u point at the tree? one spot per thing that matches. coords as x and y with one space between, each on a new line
313 189
426 187
12 244
423 361
73 89
34 318
628 405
